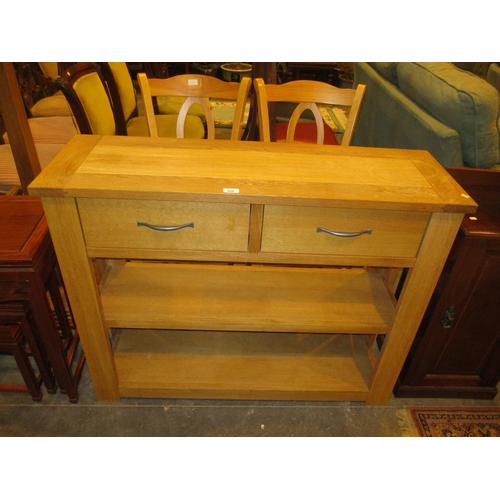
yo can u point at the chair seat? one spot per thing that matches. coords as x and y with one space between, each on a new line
55 105
305 132
8 171
167 124
50 130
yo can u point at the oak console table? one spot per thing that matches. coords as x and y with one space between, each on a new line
220 269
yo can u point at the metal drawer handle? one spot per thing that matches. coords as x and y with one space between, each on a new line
164 228
343 235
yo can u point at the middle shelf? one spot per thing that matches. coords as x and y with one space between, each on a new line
246 298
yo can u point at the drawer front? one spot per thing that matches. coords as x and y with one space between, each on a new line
208 226
383 233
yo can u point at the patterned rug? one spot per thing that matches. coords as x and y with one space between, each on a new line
223 113
456 422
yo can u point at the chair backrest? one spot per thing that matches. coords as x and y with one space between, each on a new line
84 89
121 90
197 89
307 93
49 69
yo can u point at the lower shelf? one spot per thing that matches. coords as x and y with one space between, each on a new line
242 365
246 298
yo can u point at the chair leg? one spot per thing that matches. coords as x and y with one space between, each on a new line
27 372
40 356
12 340
55 287
51 339
19 313
69 335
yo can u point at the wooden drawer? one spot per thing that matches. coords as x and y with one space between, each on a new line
295 230
114 224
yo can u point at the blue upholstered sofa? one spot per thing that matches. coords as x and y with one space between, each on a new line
449 111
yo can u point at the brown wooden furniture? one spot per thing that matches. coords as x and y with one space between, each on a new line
197 89
201 244
306 94
13 341
19 337
29 273
456 353
318 71
14 311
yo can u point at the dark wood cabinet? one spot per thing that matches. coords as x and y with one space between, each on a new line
456 352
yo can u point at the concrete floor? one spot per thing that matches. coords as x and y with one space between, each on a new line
56 416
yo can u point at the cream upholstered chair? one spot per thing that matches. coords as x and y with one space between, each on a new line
49 133
306 94
54 105
50 122
197 89
122 93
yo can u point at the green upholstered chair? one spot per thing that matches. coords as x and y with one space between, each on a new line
195 90
122 93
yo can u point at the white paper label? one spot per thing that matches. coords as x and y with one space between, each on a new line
230 190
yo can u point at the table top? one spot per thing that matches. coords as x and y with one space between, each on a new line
22 228
251 172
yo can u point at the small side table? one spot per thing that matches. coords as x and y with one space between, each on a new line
29 272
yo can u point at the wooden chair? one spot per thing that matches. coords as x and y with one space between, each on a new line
121 91
198 89
307 93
